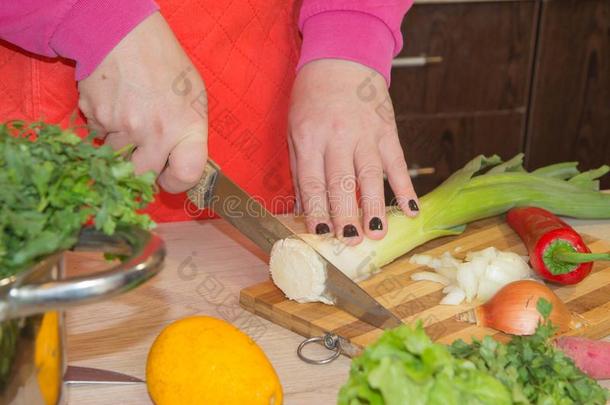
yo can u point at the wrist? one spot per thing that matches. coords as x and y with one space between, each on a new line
92 28
348 35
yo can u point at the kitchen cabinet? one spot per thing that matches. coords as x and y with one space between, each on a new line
503 77
447 143
570 107
485 50
473 98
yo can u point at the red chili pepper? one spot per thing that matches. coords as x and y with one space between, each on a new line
557 252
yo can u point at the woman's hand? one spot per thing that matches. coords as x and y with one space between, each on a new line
343 138
146 92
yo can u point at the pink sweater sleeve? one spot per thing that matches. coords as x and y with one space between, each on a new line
82 30
364 31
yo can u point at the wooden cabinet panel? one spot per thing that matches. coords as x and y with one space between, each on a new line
570 110
486 49
448 143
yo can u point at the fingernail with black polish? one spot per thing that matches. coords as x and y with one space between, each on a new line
413 205
375 224
322 228
350 231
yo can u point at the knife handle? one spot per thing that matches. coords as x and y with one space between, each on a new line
201 194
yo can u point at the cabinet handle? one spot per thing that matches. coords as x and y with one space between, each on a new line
415 61
417 171
421 171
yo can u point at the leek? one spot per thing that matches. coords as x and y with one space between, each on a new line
484 187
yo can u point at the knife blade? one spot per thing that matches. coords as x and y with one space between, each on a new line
220 194
88 375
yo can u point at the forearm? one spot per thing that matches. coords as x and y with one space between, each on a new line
364 31
81 30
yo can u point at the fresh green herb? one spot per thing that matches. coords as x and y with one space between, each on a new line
53 183
533 370
405 366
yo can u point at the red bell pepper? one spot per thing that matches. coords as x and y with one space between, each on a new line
557 252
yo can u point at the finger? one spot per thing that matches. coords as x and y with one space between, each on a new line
146 158
186 162
341 183
369 172
118 140
395 166
312 186
298 210
97 128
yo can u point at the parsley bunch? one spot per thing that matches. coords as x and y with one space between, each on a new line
53 183
531 367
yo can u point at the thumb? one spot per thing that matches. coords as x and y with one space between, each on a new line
186 161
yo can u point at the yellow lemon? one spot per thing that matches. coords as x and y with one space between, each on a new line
47 357
206 361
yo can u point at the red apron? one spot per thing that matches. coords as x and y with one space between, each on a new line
246 53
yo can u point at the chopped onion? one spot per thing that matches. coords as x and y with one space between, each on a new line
430 276
467 279
451 288
423 260
448 272
455 297
480 276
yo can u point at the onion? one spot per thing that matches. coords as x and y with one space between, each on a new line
423 260
467 280
480 276
513 309
487 289
448 272
455 297
451 288
430 276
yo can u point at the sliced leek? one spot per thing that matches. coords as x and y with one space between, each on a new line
484 187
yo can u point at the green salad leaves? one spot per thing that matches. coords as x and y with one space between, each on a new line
53 183
405 367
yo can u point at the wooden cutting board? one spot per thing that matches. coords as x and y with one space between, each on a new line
411 300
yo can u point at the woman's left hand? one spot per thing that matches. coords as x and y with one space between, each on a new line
343 138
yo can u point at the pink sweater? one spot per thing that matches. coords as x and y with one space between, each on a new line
364 31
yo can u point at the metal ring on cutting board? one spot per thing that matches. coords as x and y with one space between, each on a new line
331 342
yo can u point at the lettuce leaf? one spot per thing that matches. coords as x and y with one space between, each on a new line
405 366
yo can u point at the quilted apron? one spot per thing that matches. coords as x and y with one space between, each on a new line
246 52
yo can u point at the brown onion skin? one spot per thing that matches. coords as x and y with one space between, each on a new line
513 309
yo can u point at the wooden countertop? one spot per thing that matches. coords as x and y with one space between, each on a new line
208 263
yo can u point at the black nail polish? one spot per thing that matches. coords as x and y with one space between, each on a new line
350 231
322 228
375 224
413 205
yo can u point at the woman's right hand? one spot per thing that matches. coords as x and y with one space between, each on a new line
146 92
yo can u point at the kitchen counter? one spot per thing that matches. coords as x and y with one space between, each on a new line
208 263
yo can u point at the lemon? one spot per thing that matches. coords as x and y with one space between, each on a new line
204 360
47 357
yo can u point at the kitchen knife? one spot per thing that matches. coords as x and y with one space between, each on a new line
88 375
218 193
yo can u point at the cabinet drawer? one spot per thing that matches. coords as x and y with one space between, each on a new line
486 50
446 144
